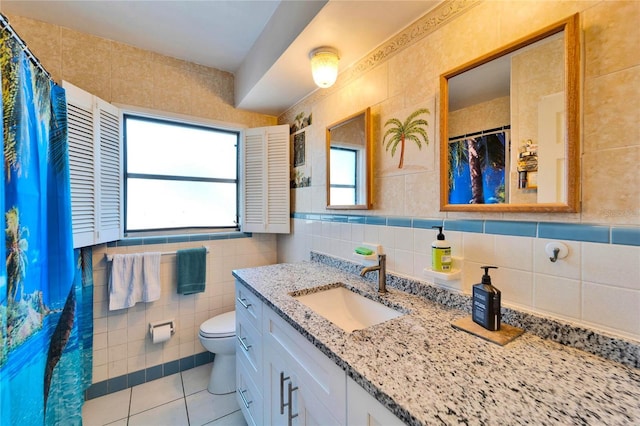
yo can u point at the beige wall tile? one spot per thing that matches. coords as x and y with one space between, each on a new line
612 111
611 36
607 196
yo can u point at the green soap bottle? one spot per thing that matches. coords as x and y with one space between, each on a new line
440 253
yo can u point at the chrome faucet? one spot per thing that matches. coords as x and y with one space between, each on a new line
381 267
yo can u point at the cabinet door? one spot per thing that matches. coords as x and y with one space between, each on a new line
275 391
248 394
365 410
311 412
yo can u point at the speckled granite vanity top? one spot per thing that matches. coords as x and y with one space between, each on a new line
426 372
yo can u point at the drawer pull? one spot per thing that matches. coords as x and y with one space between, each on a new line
282 380
243 344
242 302
244 398
291 416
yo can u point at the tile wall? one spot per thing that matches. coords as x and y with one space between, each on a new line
598 285
121 344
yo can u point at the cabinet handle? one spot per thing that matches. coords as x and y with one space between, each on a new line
242 302
291 416
282 403
244 398
243 344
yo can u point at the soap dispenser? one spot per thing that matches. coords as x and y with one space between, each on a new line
486 302
440 253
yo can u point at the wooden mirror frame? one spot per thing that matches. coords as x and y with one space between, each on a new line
570 26
366 161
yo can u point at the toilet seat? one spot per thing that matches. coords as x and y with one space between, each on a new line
220 326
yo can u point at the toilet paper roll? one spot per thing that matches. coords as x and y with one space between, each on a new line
161 334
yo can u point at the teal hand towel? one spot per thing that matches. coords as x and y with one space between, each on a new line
192 270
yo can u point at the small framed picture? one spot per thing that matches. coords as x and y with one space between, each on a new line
298 149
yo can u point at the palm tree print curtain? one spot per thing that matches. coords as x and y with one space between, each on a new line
45 287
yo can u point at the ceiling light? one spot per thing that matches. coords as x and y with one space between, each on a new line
324 66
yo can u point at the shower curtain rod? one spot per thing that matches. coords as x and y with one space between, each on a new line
4 22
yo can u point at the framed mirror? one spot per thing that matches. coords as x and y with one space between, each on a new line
349 162
509 126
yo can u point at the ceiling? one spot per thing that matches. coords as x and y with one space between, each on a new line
265 43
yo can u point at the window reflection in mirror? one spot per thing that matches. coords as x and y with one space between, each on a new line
348 162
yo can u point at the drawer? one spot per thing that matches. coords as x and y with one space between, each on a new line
248 394
320 376
248 342
249 303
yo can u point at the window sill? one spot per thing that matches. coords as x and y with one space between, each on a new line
182 238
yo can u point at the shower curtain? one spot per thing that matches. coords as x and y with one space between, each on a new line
45 286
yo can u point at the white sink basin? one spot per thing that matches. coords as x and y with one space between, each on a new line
348 310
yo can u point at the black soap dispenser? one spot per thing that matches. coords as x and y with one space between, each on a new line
486 302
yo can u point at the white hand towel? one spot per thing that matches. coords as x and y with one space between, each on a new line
134 278
151 277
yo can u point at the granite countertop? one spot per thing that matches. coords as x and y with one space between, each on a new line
427 372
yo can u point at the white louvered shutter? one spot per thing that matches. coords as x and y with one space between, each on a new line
95 167
81 165
266 180
110 173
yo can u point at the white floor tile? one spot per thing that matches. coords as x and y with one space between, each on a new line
196 379
204 407
155 393
233 419
170 414
122 422
106 409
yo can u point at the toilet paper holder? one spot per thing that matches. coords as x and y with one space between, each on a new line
170 322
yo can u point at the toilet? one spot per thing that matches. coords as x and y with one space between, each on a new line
218 335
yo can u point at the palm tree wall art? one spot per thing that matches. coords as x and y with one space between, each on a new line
412 129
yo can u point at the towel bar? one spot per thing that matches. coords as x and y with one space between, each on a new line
109 257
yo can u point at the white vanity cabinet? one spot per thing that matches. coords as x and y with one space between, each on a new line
283 379
249 350
365 410
304 387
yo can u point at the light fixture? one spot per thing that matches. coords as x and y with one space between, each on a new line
324 66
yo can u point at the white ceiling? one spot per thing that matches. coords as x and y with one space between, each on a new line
264 43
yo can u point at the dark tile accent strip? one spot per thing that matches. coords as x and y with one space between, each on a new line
426 223
171 367
125 381
96 390
138 241
357 219
574 231
562 231
375 220
187 363
136 378
154 372
519 229
404 222
464 225
626 236
117 384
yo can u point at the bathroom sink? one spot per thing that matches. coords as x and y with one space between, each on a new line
348 310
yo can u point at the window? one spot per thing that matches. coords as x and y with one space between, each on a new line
179 175
343 185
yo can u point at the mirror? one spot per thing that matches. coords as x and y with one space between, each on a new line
509 127
349 162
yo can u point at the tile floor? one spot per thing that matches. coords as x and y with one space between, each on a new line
181 399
